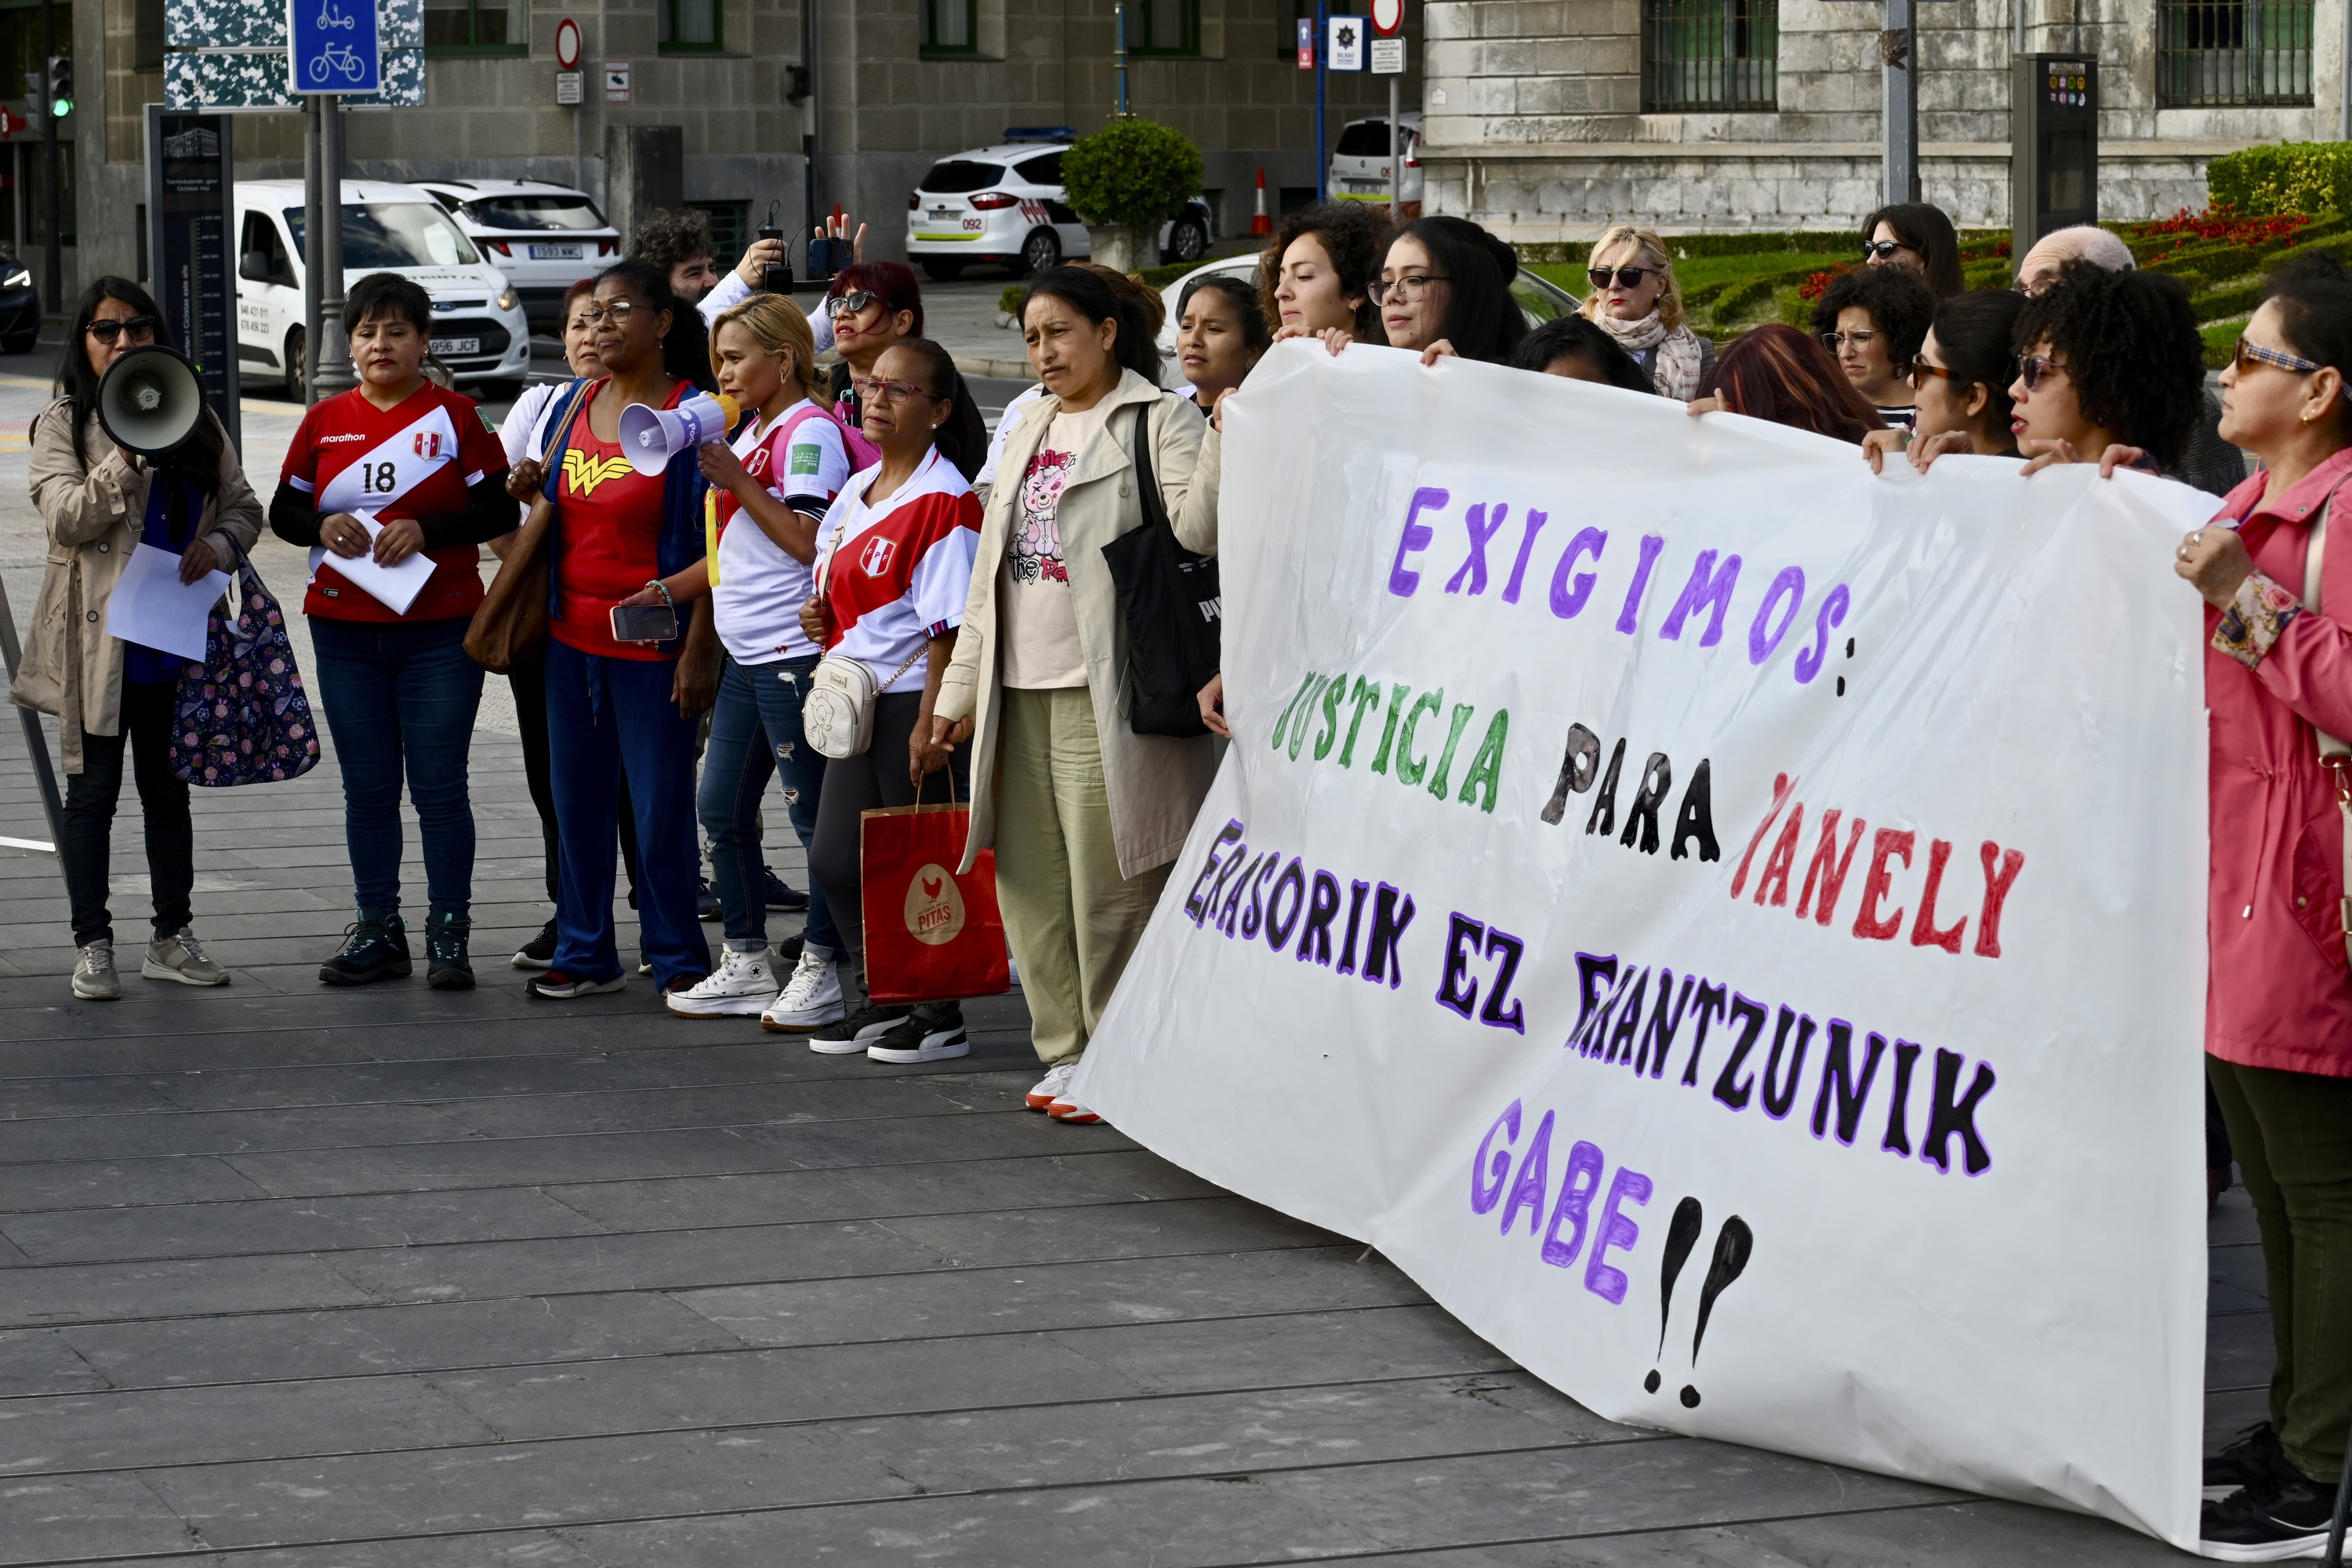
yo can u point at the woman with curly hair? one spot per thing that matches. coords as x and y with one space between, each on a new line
1872 322
1777 373
1315 274
2111 370
1636 300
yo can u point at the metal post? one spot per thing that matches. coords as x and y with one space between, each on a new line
1322 76
809 126
334 353
1396 149
54 259
2344 93
312 221
37 744
579 162
1899 53
1118 58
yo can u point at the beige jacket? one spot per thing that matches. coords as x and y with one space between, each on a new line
1155 783
94 506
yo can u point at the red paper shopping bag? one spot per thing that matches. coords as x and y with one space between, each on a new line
931 935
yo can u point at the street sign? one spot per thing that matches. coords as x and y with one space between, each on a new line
1388 56
1346 44
1388 20
1306 43
332 46
616 81
567 89
567 45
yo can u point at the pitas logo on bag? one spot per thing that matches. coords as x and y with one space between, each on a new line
935 912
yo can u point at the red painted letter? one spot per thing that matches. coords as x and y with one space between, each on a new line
1782 860
1829 867
1923 931
1781 785
1889 843
1996 885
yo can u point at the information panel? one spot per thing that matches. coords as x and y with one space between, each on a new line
191 240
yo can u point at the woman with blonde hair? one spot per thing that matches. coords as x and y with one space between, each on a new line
770 488
1636 300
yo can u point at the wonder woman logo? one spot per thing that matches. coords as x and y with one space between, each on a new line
582 473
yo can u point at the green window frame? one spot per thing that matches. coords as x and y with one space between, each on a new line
690 26
475 28
1163 27
950 28
1710 55
2233 53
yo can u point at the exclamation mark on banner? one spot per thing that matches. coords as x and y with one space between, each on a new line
1732 1249
1682 1234
1849 653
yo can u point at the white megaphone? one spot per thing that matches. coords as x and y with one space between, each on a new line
651 436
150 400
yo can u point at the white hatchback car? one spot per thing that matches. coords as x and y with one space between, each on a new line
1003 204
544 237
478 330
1359 164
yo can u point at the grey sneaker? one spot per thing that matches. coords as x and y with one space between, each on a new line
93 976
182 957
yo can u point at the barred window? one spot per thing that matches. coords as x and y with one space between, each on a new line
1711 55
2215 53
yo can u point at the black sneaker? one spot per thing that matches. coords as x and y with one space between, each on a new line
932 1032
2285 1515
706 902
2245 1463
540 951
783 897
860 1029
788 953
375 947
446 965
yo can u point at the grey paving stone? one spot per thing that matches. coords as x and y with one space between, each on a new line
137 1431
97 1183
327 1225
113 1292
83 1516
39 1361
324 1127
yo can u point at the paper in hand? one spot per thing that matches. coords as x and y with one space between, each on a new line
151 605
394 587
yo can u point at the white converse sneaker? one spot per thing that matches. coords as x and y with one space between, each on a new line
93 976
812 998
1049 1088
741 985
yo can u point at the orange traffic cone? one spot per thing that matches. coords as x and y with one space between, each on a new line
1260 224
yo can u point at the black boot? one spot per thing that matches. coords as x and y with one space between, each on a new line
447 967
375 947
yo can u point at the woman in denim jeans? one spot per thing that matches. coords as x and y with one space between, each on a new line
395 468
773 485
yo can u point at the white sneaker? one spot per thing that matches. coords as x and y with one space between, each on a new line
812 998
1049 1088
93 976
1064 1109
183 958
740 986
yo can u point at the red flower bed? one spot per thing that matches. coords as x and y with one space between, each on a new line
2224 223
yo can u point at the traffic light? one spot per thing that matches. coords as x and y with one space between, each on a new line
60 85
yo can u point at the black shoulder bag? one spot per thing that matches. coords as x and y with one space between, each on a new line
1168 598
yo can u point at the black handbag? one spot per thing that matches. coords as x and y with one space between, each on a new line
1170 599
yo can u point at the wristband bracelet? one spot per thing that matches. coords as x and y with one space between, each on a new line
663 588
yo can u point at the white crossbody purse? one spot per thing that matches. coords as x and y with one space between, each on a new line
837 708
2335 755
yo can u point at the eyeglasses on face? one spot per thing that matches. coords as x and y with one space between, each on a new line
1411 287
1882 249
1626 277
616 312
1861 339
893 393
848 304
141 330
2249 355
2034 369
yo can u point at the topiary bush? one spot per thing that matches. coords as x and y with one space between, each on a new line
1130 173
2294 177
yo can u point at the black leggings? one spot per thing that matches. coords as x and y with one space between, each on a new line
144 725
875 778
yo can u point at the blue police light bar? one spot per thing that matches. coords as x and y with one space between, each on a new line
1041 133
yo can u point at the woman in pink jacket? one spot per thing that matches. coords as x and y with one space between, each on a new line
2278 1006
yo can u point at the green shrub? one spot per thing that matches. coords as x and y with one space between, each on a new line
1131 173
2294 177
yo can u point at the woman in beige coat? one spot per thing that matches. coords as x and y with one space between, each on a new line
108 694
1085 814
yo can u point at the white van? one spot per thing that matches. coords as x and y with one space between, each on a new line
478 330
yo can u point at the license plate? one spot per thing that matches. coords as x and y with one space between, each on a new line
446 347
943 214
556 252
1364 186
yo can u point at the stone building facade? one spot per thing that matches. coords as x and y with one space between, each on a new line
899 84
1549 119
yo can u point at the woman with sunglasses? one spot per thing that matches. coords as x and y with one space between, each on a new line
1917 237
1871 322
1636 300
872 305
893 574
2278 1005
1960 378
615 709
98 503
2111 371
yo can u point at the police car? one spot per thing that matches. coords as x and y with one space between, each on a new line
478 330
544 237
1003 204
1360 163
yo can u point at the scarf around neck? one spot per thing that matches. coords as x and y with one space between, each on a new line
1675 370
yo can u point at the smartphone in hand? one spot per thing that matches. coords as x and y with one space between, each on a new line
644 622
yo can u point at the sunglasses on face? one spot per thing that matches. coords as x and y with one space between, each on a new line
1861 340
1626 276
1882 249
2034 369
1921 370
141 329
848 304
2249 355
890 392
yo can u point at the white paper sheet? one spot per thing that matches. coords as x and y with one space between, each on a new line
394 587
150 605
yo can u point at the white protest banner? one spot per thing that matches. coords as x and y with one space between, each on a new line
1731 927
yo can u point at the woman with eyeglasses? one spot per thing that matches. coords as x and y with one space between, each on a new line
1917 237
616 708
2111 371
1960 377
99 503
872 305
1445 287
1084 814
1871 322
1635 300
2278 1001
894 566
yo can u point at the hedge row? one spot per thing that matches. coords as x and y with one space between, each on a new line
2293 177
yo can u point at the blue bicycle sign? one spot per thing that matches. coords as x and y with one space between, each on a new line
334 46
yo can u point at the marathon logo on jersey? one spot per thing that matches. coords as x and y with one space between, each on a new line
875 556
428 445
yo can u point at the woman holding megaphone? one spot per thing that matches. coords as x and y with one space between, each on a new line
99 502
